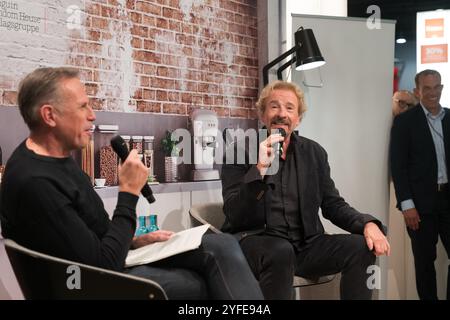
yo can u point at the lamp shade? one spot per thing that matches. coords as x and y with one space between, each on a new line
307 51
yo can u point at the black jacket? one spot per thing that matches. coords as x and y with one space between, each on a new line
413 158
247 197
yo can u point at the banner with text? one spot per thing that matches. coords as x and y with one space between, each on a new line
433 35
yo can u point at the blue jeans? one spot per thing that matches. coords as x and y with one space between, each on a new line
216 270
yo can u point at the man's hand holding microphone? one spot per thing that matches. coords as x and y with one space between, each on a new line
269 149
133 176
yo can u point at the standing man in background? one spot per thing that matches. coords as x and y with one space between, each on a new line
420 151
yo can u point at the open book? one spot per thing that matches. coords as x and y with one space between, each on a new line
179 242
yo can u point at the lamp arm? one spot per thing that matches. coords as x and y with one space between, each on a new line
285 66
274 62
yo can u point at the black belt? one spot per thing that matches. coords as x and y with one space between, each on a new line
441 187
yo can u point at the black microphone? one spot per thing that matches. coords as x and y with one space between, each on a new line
280 144
120 147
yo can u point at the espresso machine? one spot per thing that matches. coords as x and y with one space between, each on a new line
205 130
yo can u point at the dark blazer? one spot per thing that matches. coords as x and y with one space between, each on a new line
247 201
413 158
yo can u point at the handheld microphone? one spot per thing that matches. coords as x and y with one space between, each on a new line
280 145
120 147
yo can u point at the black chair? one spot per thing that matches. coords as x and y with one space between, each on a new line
212 214
41 276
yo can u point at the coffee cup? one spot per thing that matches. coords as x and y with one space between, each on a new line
100 182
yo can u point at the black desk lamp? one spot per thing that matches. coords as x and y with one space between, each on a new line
307 55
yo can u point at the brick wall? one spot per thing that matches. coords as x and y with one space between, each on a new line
160 56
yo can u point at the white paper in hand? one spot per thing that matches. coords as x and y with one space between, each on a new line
182 241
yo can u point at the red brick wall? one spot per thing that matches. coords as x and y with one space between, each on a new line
159 56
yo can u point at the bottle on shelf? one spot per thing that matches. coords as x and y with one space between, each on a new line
148 157
87 157
108 159
127 141
142 226
136 143
146 224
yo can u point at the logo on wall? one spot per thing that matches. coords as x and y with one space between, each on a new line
374 21
435 53
74 19
15 16
434 28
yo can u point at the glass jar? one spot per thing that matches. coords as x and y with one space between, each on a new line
108 159
127 141
148 142
87 157
148 156
136 143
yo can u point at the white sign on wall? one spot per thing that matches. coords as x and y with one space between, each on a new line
433 35
36 33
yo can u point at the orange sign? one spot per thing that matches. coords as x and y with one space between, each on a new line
434 28
435 53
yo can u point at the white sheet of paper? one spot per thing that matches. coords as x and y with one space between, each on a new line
179 242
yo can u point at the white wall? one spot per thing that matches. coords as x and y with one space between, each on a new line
350 116
336 8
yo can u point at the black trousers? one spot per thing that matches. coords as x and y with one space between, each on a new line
217 270
424 241
274 262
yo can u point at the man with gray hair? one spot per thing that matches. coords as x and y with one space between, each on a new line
420 148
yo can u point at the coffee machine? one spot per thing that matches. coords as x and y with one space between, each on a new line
205 131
